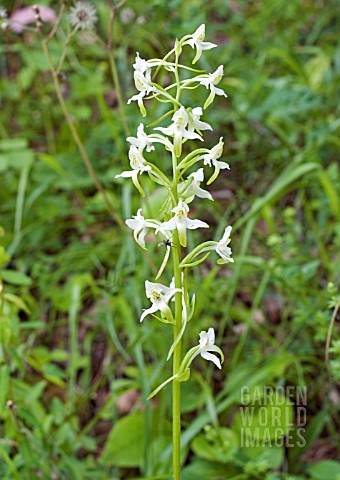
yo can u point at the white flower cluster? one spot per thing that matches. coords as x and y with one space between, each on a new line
183 186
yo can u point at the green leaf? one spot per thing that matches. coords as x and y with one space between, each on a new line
325 470
16 278
218 445
4 377
125 445
126 442
285 181
3 163
263 420
52 163
4 257
10 297
13 144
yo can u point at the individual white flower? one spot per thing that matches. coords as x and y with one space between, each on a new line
196 41
159 296
142 83
207 345
144 66
191 187
83 15
222 248
210 82
195 122
142 78
211 158
138 166
178 130
142 140
140 227
181 222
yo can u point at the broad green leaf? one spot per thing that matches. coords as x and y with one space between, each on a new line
325 470
126 442
16 278
263 420
216 445
13 144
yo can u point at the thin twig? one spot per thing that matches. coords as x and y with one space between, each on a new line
57 22
77 139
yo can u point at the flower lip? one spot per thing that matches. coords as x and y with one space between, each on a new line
205 347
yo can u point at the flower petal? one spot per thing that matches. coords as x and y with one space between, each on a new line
193 224
211 358
147 312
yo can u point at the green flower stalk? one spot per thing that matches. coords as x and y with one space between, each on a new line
182 187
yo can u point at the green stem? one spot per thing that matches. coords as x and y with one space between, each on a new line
176 386
176 389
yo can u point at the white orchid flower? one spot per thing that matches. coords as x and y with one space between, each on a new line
138 166
196 41
142 78
211 159
140 227
142 83
222 248
205 346
142 140
181 222
191 187
210 82
178 130
195 122
159 296
141 65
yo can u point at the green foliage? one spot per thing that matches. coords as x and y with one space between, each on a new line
73 380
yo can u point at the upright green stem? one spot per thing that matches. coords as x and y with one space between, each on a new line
176 389
176 386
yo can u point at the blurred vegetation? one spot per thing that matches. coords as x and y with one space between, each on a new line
75 364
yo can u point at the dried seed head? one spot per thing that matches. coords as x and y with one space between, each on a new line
83 16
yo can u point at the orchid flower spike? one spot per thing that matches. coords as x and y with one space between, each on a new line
196 41
142 140
178 130
207 345
140 227
210 82
181 222
211 158
138 166
159 296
